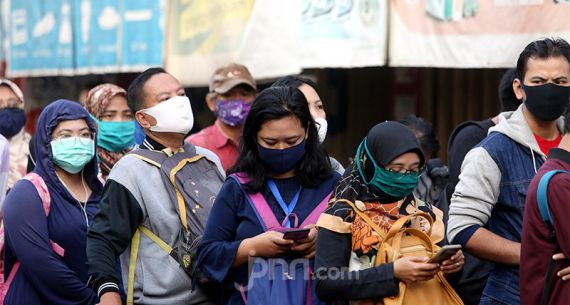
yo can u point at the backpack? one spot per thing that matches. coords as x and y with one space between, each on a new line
542 201
399 241
43 193
193 203
283 281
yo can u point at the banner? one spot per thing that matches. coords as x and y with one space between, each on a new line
343 33
273 38
205 34
67 37
471 33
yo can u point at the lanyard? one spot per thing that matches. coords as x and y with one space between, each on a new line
287 209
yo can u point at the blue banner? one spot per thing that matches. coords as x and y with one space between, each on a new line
67 37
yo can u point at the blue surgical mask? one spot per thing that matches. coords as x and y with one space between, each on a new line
115 136
281 160
71 154
394 184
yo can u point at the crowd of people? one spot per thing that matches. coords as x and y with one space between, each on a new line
113 201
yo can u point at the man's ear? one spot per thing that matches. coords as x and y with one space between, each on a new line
518 89
146 121
211 101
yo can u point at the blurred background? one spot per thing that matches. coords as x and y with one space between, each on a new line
373 60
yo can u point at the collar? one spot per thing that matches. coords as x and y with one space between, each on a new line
219 138
151 144
560 154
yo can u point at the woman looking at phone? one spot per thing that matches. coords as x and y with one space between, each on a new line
283 166
380 184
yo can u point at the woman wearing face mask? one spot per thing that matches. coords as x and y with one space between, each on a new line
309 89
381 182
281 164
45 255
12 121
107 104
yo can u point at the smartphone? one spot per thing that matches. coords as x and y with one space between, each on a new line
445 253
296 234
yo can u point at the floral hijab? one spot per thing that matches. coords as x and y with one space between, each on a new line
97 100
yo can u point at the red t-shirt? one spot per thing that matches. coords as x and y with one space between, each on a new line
546 145
214 139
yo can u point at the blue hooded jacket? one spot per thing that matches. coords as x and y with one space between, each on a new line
44 277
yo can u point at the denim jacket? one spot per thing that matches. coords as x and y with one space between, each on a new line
491 193
517 170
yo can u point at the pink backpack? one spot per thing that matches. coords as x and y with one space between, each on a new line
43 192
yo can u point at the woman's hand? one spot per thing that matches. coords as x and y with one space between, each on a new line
411 269
454 264
269 244
307 246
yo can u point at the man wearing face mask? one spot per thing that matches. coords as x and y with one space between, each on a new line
232 89
138 200
487 206
12 121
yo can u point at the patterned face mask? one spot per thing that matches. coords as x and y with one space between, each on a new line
232 112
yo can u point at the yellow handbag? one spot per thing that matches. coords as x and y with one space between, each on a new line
404 241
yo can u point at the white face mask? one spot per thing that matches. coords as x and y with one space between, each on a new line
172 115
322 126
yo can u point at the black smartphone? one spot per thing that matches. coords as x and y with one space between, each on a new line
296 234
445 253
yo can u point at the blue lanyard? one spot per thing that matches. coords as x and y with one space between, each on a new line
287 209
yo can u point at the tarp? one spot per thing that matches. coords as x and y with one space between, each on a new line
471 33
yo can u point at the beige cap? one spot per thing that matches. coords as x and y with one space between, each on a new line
227 77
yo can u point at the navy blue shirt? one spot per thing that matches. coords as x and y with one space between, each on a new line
232 220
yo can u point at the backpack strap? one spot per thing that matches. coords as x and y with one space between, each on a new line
43 192
179 197
546 216
150 156
542 198
317 211
258 203
365 217
135 244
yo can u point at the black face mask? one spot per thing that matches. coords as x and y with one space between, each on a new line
547 102
12 120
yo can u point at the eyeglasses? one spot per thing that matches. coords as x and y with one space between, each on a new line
404 171
83 139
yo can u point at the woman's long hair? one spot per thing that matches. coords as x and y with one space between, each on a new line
275 103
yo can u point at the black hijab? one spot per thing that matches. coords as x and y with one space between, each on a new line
385 142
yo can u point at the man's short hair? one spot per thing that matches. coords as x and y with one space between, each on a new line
135 93
543 49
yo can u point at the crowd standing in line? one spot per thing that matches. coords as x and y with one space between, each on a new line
120 205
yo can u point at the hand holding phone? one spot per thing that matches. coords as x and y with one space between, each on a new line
296 234
445 253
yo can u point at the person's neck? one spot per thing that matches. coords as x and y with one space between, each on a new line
547 130
565 143
284 175
233 132
170 140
